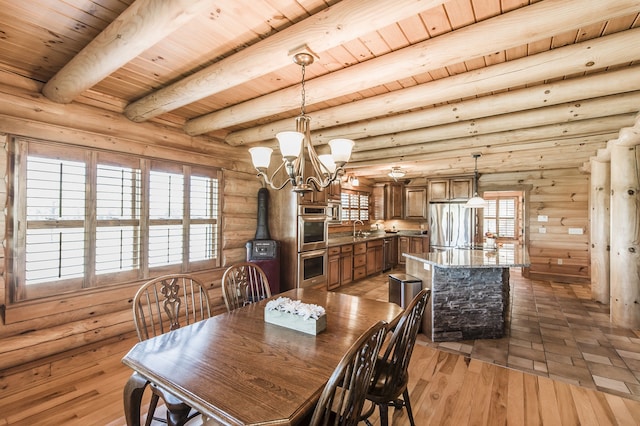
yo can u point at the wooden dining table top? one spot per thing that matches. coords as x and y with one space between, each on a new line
239 370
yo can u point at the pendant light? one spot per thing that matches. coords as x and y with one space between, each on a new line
475 202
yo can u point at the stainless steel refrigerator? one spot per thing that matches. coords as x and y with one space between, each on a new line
450 225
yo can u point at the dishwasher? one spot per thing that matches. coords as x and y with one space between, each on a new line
387 256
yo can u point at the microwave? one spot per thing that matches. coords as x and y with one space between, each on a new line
334 213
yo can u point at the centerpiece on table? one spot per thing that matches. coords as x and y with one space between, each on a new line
295 314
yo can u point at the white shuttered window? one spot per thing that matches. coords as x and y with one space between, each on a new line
93 218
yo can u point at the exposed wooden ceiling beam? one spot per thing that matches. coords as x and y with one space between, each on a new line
331 27
564 153
142 25
505 31
607 50
564 113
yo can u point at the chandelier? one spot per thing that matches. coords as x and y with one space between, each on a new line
475 202
296 149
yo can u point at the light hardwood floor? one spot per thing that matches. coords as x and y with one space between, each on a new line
447 387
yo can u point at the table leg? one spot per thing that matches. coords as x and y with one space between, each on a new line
133 391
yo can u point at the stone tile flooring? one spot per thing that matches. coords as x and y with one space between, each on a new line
553 330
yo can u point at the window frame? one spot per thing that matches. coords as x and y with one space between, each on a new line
363 209
496 197
20 148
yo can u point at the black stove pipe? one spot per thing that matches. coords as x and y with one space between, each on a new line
262 231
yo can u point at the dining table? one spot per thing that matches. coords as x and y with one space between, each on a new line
236 369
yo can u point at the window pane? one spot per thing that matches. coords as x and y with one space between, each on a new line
55 197
117 192
204 197
54 254
166 195
55 189
202 242
165 245
117 249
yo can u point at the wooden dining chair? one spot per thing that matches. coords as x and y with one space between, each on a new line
244 283
344 394
163 304
391 374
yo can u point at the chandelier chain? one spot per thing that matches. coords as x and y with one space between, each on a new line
303 91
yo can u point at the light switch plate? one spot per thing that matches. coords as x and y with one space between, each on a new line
542 230
543 218
575 231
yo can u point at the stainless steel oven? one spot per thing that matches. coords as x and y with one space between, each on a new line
312 268
312 228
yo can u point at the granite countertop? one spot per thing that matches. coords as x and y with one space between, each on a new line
340 239
503 257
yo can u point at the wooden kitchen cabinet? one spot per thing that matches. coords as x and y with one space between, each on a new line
403 247
333 268
388 201
450 189
339 266
359 261
346 264
412 244
375 258
415 202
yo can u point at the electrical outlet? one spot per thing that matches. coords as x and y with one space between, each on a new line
542 230
559 261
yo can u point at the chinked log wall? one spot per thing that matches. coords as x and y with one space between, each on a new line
37 329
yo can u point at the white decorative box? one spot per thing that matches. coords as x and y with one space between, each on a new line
296 322
294 314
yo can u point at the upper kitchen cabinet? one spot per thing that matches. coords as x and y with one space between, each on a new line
415 202
330 194
388 201
450 189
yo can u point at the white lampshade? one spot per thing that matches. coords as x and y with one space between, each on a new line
290 144
260 156
327 161
475 202
341 150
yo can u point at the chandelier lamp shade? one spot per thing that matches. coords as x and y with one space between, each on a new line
296 149
475 202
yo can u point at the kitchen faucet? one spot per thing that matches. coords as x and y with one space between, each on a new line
354 226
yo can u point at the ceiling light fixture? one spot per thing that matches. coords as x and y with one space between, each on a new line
326 168
397 173
475 202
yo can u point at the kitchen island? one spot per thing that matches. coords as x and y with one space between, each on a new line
469 290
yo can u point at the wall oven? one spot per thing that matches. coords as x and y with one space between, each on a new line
312 268
312 228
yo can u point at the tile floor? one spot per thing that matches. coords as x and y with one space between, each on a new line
554 330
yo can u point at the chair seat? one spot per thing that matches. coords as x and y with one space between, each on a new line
379 390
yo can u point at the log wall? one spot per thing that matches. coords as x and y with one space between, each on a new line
562 196
37 329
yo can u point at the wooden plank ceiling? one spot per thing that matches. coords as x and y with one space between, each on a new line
417 84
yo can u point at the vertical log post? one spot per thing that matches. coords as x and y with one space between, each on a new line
599 201
625 228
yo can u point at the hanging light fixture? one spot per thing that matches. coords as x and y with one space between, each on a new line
396 173
293 144
476 202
